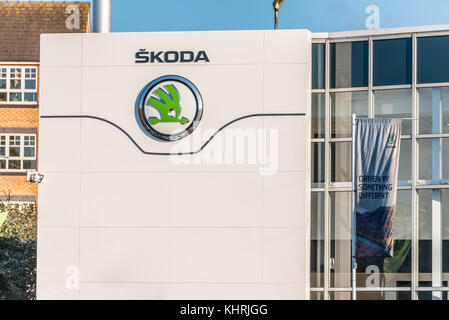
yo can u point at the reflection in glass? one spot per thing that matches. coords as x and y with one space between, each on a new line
14 151
2 96
389 272
318 115
433 164
433 110
318 65
392 62
29 164
30 96
2 84
349 64
314 295
425 236
15 84
394 104
405 160
343 105
15 97
317 240
340 161
433 64
340 250
318 162
445 235
14 164
387 295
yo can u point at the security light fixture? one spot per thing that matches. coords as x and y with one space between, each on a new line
34 176
277 4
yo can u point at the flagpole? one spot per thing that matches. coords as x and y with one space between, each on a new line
353 220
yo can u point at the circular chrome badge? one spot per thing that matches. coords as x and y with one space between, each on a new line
170 108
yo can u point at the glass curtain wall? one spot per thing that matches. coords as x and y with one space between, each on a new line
382 77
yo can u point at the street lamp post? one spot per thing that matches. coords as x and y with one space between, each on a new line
277 4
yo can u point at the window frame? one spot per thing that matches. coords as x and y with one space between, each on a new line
22 147
415 185
11 68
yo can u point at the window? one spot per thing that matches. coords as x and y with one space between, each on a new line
318 65
394 104
433 110
317 163
318 115
349 64
18 85
421 229
433 65
433 164
17 152
343 105
392 62
317 238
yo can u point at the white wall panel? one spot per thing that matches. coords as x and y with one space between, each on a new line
142 226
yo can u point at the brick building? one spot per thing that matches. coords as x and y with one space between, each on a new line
21 24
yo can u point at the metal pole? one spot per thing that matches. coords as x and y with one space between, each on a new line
353 220
276 19
102 12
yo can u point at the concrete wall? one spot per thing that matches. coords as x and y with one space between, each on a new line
146 227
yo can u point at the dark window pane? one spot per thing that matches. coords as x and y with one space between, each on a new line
14 151
2 84
2 96
392 62
349 64
340 161
15 84
15 97
28 152
2 164
318 115
29 164
14 164
433 62
30 96
318 65
317 162
30 84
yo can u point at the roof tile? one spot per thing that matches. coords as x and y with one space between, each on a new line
22 23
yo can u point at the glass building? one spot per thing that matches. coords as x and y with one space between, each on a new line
382 74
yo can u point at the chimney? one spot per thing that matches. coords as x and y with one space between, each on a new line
102 12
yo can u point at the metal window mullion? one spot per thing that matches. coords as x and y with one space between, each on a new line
415 207
327 177
370 78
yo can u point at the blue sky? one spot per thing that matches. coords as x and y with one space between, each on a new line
315 15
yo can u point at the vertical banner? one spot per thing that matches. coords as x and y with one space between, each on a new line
377 146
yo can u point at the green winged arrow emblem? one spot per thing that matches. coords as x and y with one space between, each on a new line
166 101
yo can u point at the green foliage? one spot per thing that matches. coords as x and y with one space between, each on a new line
18 239
3 216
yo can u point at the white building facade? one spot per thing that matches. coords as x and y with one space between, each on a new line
250 197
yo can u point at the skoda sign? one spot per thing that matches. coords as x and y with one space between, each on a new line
170 108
